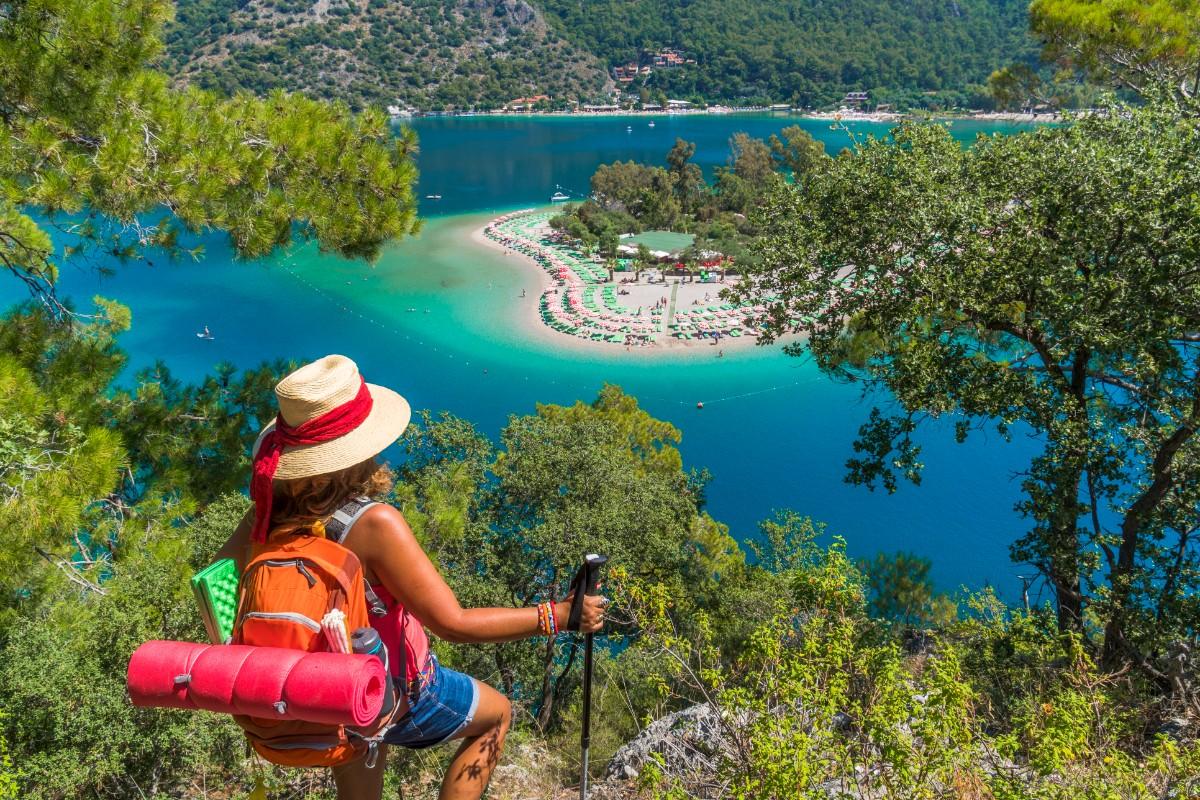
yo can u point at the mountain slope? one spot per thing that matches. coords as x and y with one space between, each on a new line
464 53
806 51
428 53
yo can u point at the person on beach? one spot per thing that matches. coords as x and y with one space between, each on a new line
319 458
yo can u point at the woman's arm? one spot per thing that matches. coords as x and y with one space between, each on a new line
386 544
237 545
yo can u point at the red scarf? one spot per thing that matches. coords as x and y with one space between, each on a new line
325 428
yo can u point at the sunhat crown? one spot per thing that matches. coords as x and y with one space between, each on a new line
323 386
316 389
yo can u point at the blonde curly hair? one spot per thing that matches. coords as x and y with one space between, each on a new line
300 502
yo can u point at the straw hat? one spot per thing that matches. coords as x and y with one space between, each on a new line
315 389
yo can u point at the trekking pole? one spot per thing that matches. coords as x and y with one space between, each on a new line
584 583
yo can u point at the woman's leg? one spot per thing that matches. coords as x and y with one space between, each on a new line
355 781
483 740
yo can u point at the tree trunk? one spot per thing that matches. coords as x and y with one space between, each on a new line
1064 556
547 705
1132 526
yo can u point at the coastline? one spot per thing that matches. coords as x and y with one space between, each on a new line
535 281
842 115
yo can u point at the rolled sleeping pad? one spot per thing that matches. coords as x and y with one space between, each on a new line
264 682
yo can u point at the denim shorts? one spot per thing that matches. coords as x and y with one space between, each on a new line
444 706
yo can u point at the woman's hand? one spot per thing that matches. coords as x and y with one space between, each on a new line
591 618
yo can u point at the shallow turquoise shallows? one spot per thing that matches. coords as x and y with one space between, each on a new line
774 432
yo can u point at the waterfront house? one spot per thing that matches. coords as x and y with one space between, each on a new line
855 100
526 103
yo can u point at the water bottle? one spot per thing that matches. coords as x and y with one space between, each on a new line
366 641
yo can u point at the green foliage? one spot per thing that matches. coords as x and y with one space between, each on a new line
1043 280
643 192
901 591
97 142
811 688
1138 44
432 55
510 526
800 51
816 703
797 151
96 554
467 55
630 198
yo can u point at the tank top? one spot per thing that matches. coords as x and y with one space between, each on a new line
405 639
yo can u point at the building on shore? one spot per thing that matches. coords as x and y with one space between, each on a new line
678 105
592 108
856 100
526 103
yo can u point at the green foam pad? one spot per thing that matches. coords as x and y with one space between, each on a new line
216 591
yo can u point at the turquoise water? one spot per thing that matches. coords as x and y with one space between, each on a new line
774 432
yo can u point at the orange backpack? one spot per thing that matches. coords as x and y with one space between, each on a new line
289 584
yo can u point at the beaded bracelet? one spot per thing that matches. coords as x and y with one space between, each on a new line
547 624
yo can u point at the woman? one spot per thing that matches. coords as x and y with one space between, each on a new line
309 467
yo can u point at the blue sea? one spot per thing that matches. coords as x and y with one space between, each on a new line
436 319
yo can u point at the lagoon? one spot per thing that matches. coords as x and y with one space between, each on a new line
774 432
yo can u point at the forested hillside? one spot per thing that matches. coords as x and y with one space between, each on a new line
428 53
484 53
805 51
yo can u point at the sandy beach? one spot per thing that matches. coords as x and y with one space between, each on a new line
680 301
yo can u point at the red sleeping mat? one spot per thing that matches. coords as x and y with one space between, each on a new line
265 682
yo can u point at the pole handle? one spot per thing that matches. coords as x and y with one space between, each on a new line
584 583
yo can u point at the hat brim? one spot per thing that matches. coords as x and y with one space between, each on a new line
390 414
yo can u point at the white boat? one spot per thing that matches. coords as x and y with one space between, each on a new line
433 197
559 197
204 334
651 123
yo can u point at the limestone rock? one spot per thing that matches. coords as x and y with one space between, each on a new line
689 742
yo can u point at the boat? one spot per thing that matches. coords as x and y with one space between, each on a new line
433 197
559 197
651 123
205 334
628 127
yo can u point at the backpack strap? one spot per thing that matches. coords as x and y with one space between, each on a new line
338 527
